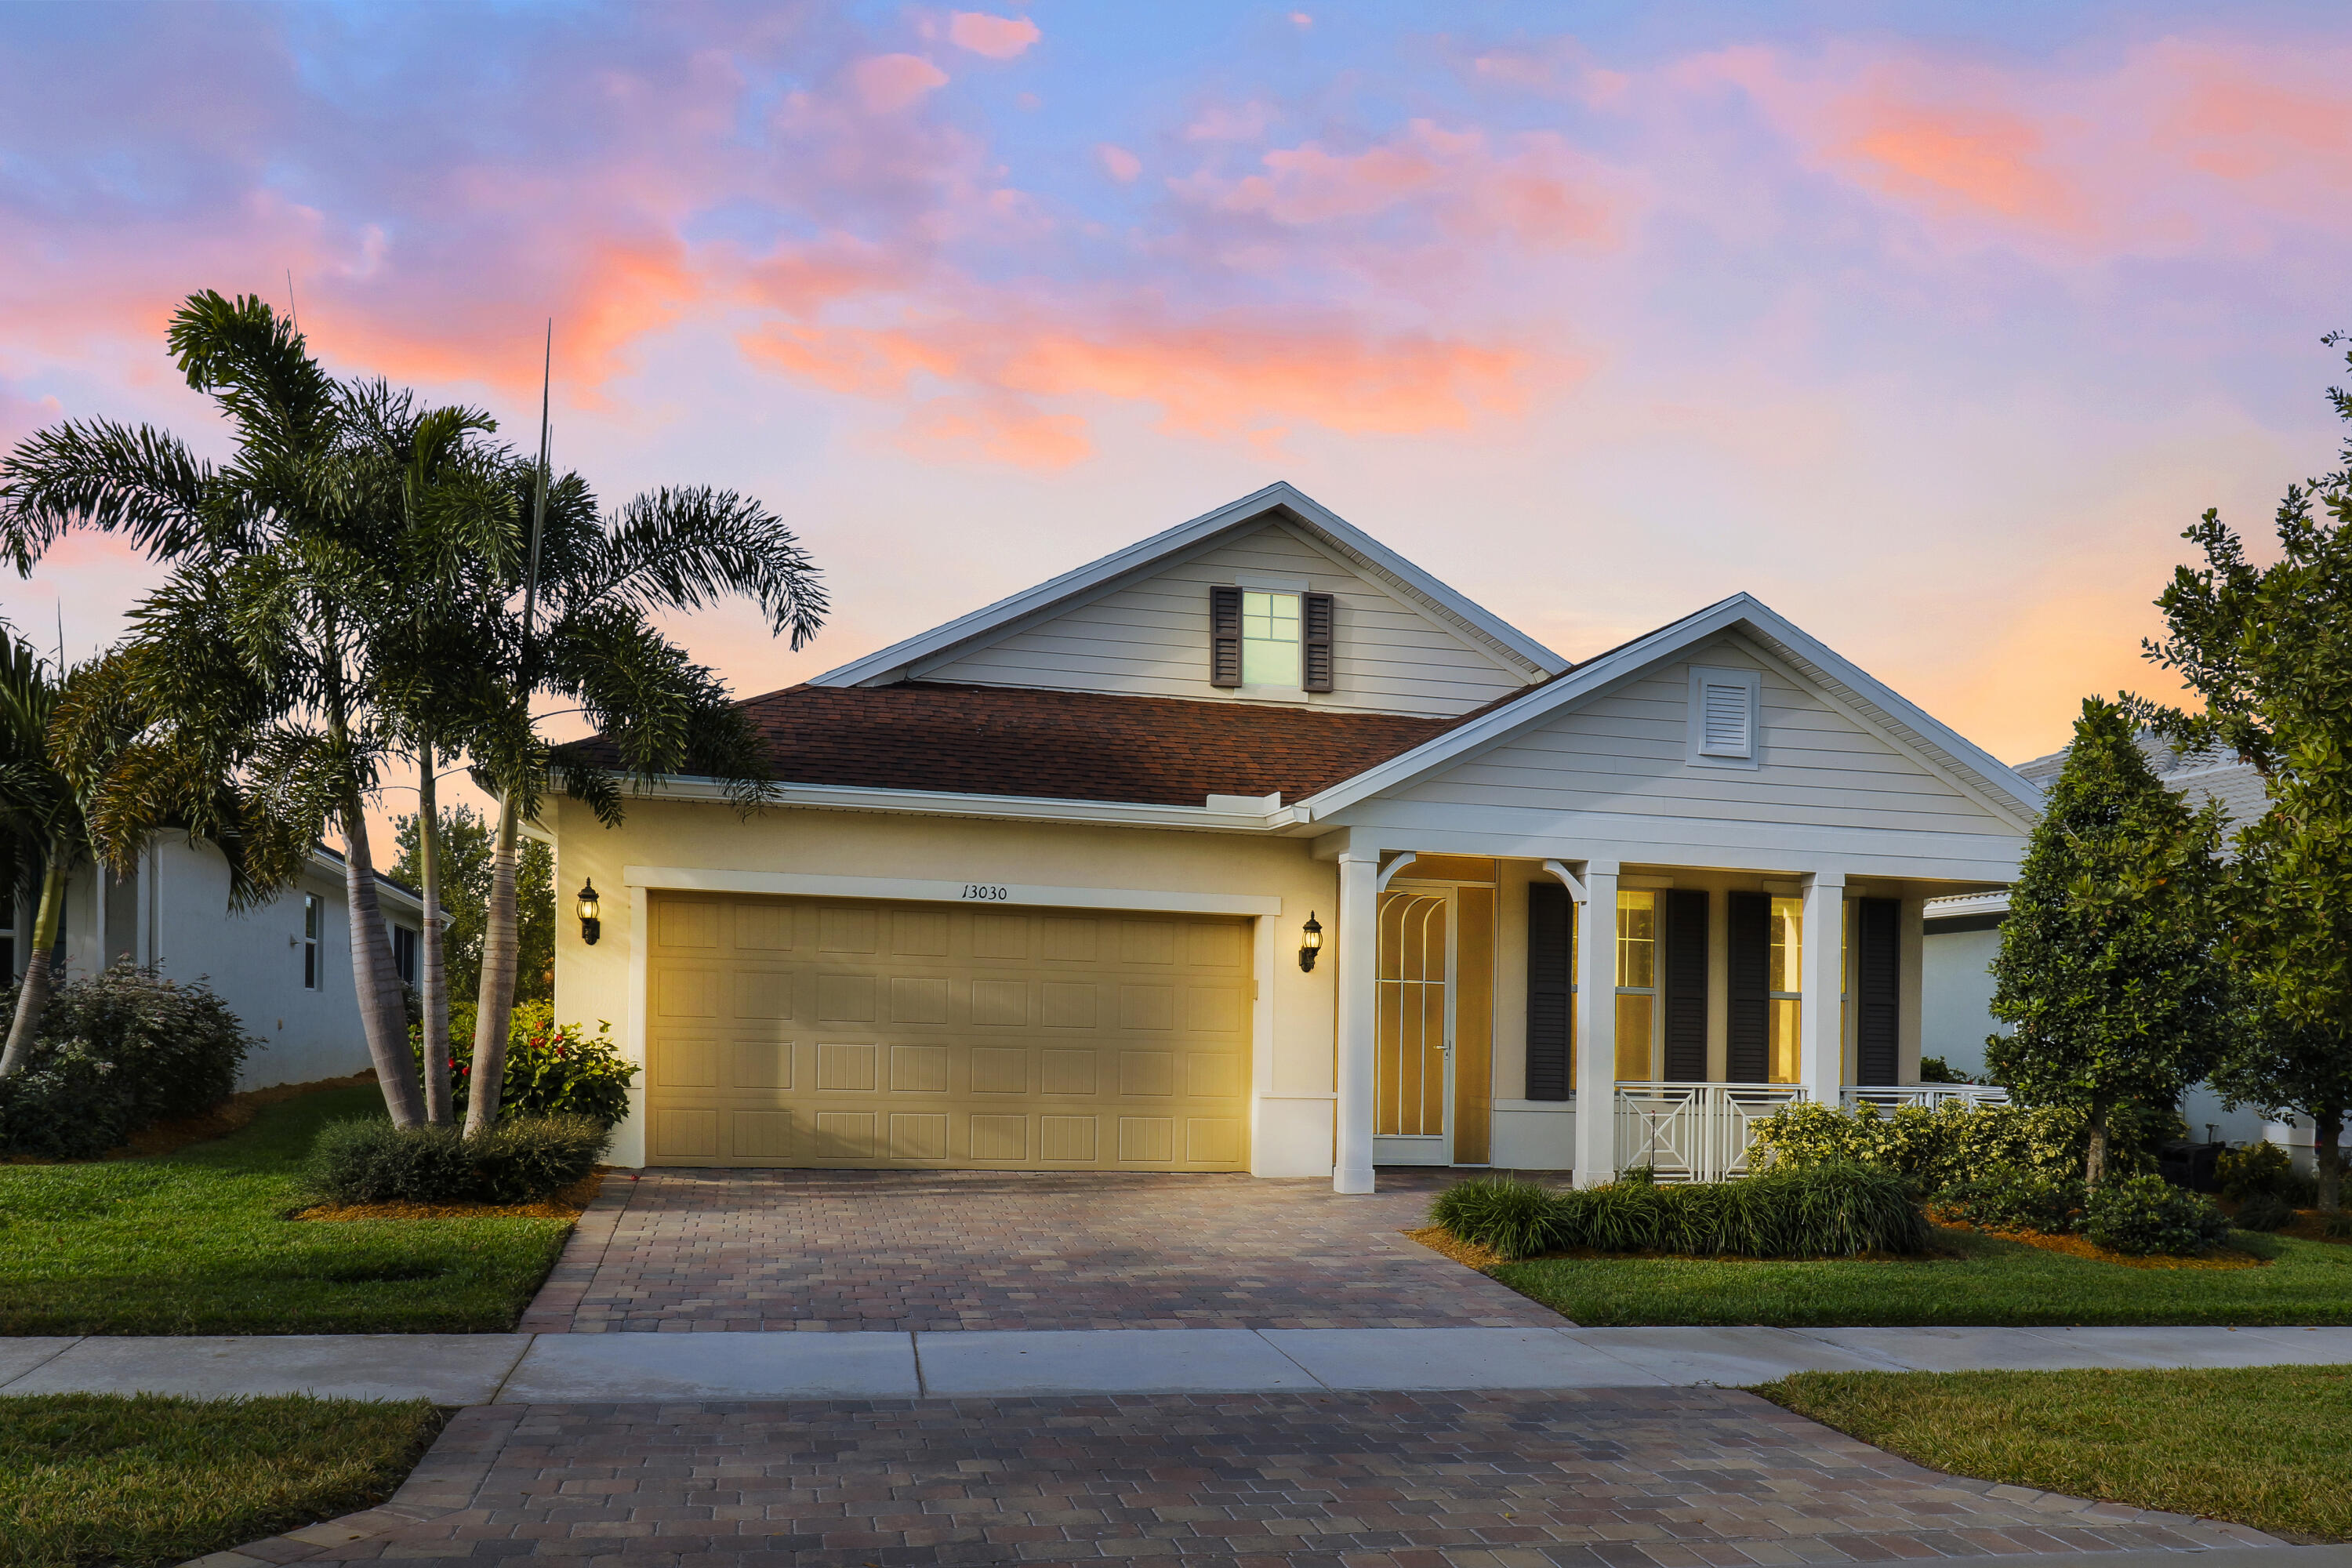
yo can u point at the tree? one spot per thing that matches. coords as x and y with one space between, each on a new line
465 842
260 658
2108 971
2268 650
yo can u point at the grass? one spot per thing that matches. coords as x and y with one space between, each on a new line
146 1480
1991 1280
197 1242
2260 1446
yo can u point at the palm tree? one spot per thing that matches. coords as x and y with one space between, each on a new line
601 580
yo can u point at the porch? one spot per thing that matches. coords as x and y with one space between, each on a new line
1476 995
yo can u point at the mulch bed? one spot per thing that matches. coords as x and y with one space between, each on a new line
564 1203
2082 1247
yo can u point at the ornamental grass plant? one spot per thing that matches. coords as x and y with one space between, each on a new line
1821 1211
515 1161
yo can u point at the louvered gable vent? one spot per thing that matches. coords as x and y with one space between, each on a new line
1724 710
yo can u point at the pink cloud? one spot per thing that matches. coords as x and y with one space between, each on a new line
1118 163
888 83
994 430
998 37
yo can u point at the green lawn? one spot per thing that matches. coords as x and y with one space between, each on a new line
144 1479
1996 1281
198 1243
2263 1445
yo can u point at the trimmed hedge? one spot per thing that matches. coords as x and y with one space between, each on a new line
1956 1142
112 1054
1822 1211
518 1161
2145 1215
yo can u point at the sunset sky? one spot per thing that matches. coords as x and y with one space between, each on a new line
1933 334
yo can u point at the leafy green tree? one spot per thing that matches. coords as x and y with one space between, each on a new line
2268 649
2108 971
464 840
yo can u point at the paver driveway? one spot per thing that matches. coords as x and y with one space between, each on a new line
703 1250
1603 1478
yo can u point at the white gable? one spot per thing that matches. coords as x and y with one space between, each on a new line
1148 637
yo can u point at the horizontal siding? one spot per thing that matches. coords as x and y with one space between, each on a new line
1151 640
1626 754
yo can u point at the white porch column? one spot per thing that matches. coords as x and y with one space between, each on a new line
1359 959
1820 971
1596 1027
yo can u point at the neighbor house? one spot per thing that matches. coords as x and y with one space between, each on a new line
1254 846
284 967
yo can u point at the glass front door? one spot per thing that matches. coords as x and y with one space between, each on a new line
1413 1089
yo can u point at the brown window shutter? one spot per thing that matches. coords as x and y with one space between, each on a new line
1552 992
1683 994
1749 1033
1315 614
1878 990
1224 636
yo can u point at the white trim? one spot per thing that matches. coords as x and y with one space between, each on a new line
1749 753
1007 808
628 1149
1515 646
911 889
1568 879
1943 751
1388 872
1273 581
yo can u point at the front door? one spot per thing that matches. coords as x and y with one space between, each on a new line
1412 1121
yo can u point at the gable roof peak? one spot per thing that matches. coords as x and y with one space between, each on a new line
904 659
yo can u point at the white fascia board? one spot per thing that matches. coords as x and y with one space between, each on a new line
895 662
1960 760
386 892
1005 808
915 889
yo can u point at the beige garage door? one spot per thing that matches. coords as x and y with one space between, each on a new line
815 1032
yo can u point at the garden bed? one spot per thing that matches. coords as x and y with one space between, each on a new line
2259 1445
2225 1257
198 1242
143 1480
566 1203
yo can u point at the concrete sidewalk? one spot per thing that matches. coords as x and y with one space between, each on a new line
557 1369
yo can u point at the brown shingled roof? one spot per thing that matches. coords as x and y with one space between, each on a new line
1067 745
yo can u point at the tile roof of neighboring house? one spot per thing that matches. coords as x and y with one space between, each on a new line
2201 775
1066 745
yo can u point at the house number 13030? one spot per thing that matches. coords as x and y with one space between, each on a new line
984 892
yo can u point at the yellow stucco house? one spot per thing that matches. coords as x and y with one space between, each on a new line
1254 848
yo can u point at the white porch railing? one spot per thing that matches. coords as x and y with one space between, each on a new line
1931 1095
1700 1131
1693 1132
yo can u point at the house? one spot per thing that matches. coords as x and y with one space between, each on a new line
284 968
1254 846
1963 934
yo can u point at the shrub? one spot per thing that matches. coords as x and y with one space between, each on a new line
2263 1211
551 1069
2014 1199
2144 1214
1954 1142
1818 1211
2263 1170
113 1053
374 1161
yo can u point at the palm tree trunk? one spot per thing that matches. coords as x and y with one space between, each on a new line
34 998
382 1019
2328 1156
433 979
501 946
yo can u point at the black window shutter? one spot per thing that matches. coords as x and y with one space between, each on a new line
1224 636
1749 959
1551 1037
1686 985
1315 614
1878 970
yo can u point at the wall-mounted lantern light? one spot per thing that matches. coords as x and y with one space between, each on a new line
591 928
1310 940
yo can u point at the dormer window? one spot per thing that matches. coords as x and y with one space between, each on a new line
1270 640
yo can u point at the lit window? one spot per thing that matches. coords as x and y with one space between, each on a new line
1785 988
310 942
1637 981
1270 639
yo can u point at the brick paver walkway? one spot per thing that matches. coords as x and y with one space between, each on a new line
703 1250
1611 1479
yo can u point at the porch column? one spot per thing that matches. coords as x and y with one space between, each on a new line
1359 958
1821 970
1596 1027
